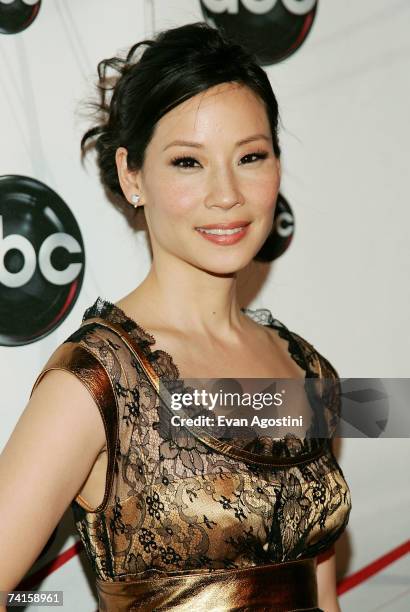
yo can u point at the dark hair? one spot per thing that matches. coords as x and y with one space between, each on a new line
175 66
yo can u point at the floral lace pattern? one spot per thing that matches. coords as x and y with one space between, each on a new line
176 504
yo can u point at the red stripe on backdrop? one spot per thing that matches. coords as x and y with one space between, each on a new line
344 585
375 566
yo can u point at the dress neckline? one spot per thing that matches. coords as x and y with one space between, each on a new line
286 452
162 360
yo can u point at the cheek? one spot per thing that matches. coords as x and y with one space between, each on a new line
172 204
175 198
262 193
182 200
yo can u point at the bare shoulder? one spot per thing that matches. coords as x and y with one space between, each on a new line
50 453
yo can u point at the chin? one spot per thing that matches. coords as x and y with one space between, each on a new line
224 267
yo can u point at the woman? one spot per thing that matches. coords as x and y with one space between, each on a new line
176 518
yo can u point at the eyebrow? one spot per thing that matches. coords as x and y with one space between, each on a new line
198 145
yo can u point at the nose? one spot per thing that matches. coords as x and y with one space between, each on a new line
223 190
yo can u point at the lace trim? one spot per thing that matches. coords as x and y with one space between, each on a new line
265 317
163 361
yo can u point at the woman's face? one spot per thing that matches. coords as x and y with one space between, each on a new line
210 161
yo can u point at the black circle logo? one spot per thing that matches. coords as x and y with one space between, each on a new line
271 29
281 234
41 260
17 15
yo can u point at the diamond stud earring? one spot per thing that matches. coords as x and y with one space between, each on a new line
135 198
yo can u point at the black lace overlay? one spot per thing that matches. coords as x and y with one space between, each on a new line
177 504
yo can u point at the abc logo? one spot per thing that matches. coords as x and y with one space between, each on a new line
41 260
17 15
271 29
282 232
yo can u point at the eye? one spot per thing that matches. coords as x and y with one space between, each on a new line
253 157
187 162
177 161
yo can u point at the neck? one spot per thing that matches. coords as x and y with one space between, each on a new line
188 299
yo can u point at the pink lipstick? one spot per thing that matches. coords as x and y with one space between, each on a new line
224 233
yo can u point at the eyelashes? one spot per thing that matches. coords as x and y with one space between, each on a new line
186 161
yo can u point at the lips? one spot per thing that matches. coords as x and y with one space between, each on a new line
231 225
224 233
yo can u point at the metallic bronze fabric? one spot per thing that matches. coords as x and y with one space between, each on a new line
80 361
185 513
273 587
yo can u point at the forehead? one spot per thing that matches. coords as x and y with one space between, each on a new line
223 109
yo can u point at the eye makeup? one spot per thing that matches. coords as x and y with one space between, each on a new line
186 161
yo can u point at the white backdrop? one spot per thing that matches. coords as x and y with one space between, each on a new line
343 283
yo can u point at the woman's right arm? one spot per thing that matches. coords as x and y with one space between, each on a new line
43 467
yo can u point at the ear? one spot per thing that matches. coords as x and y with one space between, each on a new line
128 179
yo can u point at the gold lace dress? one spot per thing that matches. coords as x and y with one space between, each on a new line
188 521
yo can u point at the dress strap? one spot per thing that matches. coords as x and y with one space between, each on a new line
132 345
327 384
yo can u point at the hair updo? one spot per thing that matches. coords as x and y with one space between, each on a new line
175 66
